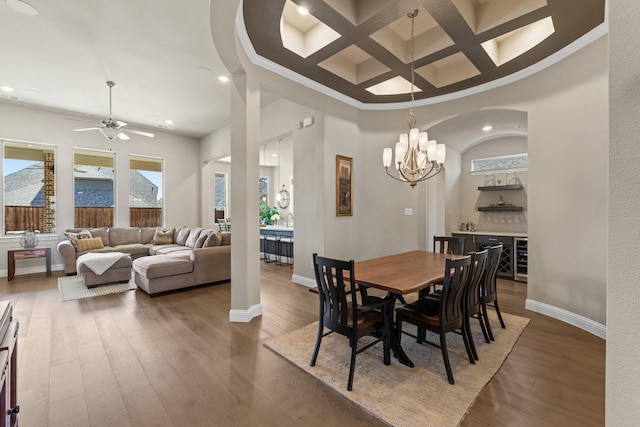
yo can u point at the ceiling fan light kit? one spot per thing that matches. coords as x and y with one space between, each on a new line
112 129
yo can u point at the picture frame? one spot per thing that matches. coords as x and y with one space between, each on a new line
344 186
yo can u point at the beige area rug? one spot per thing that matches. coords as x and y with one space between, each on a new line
397 394
71 288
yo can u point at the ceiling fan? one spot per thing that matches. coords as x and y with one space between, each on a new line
110 128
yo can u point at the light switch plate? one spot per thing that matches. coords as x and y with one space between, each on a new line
408 211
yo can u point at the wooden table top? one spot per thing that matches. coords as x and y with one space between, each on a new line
402 273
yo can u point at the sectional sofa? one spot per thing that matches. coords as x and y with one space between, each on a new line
164 259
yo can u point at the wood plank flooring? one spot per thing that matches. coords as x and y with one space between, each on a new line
175 360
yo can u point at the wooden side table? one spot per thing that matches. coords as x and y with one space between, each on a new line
26 253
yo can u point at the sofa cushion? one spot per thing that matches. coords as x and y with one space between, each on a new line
163 236
89 244
133 249
162 266
214 239
102 233
182 234
194 234
123 236
74 237
146 234
171 249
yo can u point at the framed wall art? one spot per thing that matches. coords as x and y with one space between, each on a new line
344 187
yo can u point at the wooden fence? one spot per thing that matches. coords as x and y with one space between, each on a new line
92 217
18 218
145 217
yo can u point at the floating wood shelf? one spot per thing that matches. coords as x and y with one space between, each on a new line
501 187
500 208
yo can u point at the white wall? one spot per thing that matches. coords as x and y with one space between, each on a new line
623 292
181 174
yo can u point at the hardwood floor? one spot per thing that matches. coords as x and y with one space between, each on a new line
175 360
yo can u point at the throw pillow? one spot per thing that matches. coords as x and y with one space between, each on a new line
181 235
163 236
74 237
214 239
194 234
204 235
89 244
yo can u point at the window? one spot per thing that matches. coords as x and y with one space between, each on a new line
220 195
515 162
93 188
29 187
145 191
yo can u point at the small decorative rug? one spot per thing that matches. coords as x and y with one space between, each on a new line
397 394
72 288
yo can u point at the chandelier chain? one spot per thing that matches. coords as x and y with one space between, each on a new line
412 15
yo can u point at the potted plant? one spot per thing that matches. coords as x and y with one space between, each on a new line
267 214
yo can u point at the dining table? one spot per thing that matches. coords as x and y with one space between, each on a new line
402 274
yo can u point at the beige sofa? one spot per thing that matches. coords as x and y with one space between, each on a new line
160 267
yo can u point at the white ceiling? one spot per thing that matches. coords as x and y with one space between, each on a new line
62 57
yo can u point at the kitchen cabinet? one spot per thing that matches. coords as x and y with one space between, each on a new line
9 367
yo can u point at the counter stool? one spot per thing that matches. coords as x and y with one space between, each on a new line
262 245
286 249
271 247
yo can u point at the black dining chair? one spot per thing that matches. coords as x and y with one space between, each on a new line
444 245
489 289
445 316
340 311
471 298
448 245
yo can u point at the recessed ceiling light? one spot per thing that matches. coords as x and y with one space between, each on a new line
169 122
487 128
274 155
223 79
22 7
6 88
303 10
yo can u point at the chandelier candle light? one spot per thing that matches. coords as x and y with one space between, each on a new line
417 158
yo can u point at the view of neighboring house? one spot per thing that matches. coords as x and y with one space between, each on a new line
93 186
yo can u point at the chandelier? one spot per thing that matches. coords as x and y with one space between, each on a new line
417 158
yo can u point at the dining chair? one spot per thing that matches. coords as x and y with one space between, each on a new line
471 298
444 245
340 311
448 245
489 289
445 316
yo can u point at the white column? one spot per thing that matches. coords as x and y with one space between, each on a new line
245 249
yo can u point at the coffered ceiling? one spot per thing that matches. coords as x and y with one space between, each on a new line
363 48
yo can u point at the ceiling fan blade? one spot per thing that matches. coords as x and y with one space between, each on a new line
83 129
139 132
119 123
123 136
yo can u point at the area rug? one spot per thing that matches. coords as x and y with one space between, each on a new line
72 288
397 394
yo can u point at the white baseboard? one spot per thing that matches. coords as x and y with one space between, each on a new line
581 322
245 316
301 280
